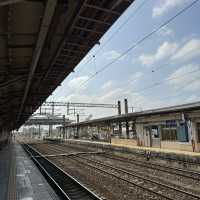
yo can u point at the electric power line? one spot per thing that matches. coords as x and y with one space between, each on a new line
154 70
163 81
141 41
116 32
180 93
122 25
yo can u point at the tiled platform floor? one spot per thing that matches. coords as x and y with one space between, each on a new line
28 183
5 158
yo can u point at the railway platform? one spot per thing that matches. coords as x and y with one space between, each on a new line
128 148
129 144
20 179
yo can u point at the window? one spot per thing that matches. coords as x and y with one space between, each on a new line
169 133
172 132
154 132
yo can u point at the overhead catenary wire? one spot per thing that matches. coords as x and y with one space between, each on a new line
140 41
163 82
179 89
114 34
153 70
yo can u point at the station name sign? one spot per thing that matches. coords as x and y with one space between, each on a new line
171 122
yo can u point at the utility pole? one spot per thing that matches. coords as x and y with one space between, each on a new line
51 126
39 124
77 120
126 106
68 108
119 113
64 120
126 112
52 108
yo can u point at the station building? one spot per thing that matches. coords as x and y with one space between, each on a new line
180 131
176 127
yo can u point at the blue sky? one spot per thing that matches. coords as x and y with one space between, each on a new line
168 59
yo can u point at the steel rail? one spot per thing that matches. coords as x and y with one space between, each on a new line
106 172
121 170
142 154
190 162
194 175
158 167
123 179
65 185
129 173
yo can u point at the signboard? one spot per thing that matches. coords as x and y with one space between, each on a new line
171 122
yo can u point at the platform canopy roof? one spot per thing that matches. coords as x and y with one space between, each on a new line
41 42
181 109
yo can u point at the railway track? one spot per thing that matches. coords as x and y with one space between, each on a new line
169 169
157 188
65 185
170 159
143 155
173 191
159 167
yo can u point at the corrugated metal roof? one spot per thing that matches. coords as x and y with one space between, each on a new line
134 115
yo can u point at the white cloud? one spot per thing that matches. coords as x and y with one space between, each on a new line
137 75
110 55
79 98
189 50
75 83
62 98
163 51
165 6
166 31
193 98
107 85
111 96
185 79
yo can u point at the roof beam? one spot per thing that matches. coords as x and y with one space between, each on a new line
12 81
48 15
94 20
20 46
103 9
88 30
74 51
14 34
118 2
8 2
79 45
